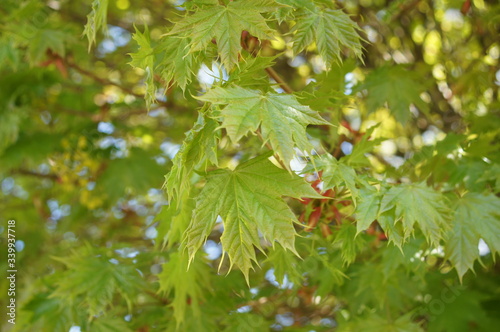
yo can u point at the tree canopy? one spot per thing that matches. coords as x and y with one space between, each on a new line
250 165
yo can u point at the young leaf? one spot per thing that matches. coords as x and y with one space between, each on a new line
144 59
249 200
44 40
251 72
45 313
376 323
398 87
417 203
96 20
365 145
121 174
110 324
9 54
174 220
98 279
335 173
476 216
199 146
175 62
225 24
185 284
368 207
245 322
282 119
349 243
285 264
331 29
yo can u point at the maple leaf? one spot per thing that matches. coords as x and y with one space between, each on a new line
110 324
249 200
365 145
250 72
200 146
286 266
477 216
350 244
331 29
282 119
186 284
173 221
144 58
97 279
176 62
169 58
397 87
52 313
225 24
367 209
415 203
335 173
9 54
96 20
376 323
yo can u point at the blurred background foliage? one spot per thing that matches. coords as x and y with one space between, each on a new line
82 163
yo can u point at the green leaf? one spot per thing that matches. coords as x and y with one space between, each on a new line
331 30
349 243
328 90
245 322
282 119
9 54
417 203
184 285
44 40
251 72
225 24
396 86
249 200
109 324
45 314
138 172
476 216
368 207
376 323
365 145
199 147
175 62
174 220
394 230
335 174
285 264
97 279
328 274
144 59
10 120
30 149
96 20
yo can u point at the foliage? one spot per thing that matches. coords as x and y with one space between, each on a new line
220 165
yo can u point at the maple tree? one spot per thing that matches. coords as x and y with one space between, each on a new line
251 165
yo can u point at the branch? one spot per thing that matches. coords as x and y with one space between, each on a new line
269 70
275 76
21 171
98 79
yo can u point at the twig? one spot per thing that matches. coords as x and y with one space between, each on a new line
35 174
98 79
275 76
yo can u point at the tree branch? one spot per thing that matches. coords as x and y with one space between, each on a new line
98 79
275 76
22 171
